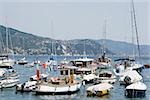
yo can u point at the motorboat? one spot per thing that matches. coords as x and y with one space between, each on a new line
26 86
136 89
7 83
42 77
84 65
99 89
2 72
90 78
103 62
130 77
106 76
22 61
6 62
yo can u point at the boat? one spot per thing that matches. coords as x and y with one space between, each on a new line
99 89
26 86
42 77
106 76
11 74
103 61
147 65
22 61
6 62
30 64
84 65
2 72
65 84
136 89
90 78
8 83
122 65
130 77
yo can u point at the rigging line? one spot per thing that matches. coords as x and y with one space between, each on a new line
135 23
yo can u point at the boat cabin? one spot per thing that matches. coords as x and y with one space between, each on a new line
82 62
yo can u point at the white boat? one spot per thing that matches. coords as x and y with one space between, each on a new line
27 86
106 77
11 74
89 78
65 84
99 89
30 64
2 72
103 62
6 62
130 77
7 83
123 65
136 89
22 61
42 76
84 65
58 89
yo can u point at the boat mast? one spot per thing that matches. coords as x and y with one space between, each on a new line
135 24
6 40
104 40
132 31
84 52
52 51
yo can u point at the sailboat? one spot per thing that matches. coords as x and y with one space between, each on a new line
52 63
103 61
136 89
23 61
5 61
129 63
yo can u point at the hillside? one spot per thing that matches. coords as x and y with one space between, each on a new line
22 42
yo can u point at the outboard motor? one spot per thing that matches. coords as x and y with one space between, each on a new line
127 80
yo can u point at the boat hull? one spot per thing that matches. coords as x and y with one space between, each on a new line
134 93
56 93
64 90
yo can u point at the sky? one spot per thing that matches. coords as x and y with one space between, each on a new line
77 19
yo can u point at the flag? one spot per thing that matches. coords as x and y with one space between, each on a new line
44 65
37 72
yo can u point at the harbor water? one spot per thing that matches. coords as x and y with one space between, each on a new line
117 93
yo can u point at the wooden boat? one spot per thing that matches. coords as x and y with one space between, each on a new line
65 84
136 89
147 65
58 88
99 89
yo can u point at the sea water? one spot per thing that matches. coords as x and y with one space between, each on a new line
117 93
